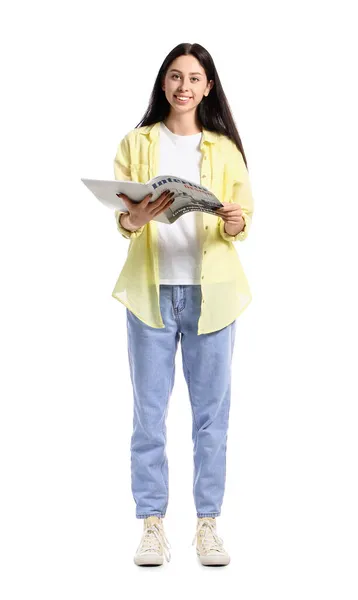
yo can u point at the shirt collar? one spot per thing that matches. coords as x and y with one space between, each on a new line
153 132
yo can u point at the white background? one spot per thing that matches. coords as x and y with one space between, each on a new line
78 77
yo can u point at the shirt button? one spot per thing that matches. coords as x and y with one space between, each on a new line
204 176
206 226
202 277
204 251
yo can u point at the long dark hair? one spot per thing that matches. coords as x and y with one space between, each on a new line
213 112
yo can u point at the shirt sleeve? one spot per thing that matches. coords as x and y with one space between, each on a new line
122 173
242 195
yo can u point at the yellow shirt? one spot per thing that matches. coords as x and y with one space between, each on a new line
224 287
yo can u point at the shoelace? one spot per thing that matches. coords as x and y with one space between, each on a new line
210 540
154 537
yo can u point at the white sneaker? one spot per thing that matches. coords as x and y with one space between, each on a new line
153 544
209 546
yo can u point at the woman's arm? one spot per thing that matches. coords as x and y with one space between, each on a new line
241 194
122 172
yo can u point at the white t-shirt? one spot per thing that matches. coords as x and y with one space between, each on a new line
180 243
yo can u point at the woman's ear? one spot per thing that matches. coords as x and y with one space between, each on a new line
210 85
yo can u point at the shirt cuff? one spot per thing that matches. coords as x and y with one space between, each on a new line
125 232
242 235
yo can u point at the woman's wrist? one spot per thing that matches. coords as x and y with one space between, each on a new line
124 221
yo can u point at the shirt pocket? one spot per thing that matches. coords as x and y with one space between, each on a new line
139 172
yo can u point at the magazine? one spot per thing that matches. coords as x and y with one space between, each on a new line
188 195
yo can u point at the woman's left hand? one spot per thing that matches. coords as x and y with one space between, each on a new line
231 213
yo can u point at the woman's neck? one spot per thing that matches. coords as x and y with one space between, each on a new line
182 125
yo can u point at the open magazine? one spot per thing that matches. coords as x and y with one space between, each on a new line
188 195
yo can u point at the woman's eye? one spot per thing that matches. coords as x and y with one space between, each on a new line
192 77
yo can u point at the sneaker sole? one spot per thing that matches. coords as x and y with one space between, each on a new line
212 560
148 559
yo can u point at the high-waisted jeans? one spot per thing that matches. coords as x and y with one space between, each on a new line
207 369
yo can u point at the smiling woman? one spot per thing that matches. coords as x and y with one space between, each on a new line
183 87
188 72
184 282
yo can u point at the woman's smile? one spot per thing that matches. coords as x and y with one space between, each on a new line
182 99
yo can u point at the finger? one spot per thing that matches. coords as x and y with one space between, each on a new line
163 199
229 206
233 211
164 195
146 199
160 197
233 222
163 206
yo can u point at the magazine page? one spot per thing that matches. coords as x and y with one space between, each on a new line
106 191
188 195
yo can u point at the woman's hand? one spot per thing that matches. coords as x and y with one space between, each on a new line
231 213
142 212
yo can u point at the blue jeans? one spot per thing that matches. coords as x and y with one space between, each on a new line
207 369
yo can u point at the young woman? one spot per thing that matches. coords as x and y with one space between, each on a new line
184 282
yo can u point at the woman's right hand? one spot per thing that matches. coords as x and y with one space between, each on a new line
144 211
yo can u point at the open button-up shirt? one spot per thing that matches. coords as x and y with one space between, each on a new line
224 287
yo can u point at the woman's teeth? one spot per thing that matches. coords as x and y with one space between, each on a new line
182 99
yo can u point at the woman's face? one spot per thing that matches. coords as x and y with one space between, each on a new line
186 77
